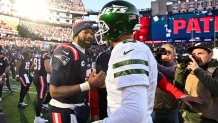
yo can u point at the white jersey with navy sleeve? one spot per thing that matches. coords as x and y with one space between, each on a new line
131 64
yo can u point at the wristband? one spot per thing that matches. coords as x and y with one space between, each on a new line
4 74
84 86
17 75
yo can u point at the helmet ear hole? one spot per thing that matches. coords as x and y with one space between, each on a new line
118 29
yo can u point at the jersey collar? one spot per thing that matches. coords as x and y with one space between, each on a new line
78 47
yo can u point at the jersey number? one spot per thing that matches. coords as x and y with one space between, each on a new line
27 66
37 64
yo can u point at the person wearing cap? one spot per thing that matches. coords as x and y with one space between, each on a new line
202 81
71 77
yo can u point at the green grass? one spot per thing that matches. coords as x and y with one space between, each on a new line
9 103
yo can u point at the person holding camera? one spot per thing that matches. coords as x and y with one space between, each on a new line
202 81
165 106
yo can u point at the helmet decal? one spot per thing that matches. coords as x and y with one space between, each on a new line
115 9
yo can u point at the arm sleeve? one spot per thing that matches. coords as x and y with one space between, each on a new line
210 82
167 87
132 110
102 61
168 72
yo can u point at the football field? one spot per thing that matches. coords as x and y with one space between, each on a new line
9 104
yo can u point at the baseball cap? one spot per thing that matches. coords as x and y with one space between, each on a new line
201 46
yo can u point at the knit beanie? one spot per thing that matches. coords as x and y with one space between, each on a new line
77 28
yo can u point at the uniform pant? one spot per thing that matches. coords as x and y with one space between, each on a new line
102 103
61 115
8 82
41 87
25 83
13 71
166 117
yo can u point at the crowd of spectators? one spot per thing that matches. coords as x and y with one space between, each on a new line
48 32
17 42
13 40
69 5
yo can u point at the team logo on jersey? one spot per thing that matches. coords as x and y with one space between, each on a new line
83 63
65 52
64 59
126 52
115 9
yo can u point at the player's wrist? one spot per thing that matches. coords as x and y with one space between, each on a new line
84 86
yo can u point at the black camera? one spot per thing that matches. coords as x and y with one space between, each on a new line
183 59
157 52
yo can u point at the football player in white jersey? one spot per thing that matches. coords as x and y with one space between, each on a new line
132 70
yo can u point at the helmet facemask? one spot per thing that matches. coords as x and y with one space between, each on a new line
99 35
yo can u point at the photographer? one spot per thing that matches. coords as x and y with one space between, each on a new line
166 107
202 82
